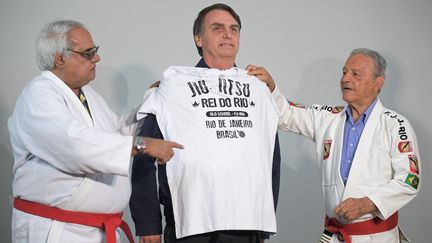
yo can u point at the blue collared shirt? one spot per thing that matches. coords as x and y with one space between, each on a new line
352 133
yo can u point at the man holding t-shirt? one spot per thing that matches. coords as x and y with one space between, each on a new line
217 35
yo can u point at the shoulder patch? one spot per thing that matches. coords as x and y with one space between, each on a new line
326 148
337 109
413 162
332 109
405 147
298 105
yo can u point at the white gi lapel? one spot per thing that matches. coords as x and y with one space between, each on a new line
362 152
86 185
329 148
72 97
335 158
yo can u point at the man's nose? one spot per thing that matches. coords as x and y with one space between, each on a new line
227 34
96 58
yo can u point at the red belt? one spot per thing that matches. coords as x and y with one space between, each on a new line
107 222
372 226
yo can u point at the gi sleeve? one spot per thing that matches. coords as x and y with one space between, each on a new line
405 163
296 119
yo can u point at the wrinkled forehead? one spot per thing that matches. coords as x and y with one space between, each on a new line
360 61
81 38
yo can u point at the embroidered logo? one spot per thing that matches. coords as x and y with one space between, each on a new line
331 109
412 180
337 109
413 163
326 149
295 104
405 147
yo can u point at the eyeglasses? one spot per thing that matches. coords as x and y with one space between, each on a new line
88 54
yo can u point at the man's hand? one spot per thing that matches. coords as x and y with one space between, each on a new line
163 150
262 74
353 208
150 239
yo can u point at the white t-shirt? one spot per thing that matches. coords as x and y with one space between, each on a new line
227 122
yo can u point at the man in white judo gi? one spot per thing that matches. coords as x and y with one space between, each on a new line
368 154
72 153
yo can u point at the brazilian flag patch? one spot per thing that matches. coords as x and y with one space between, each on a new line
412 180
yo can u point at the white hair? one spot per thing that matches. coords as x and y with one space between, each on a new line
379 61
54 38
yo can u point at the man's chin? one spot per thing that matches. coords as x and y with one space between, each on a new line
229 54
346 98
92 77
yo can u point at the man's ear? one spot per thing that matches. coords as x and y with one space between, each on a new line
198 40
379 83
59 60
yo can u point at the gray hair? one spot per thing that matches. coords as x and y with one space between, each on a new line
54 38
380 62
